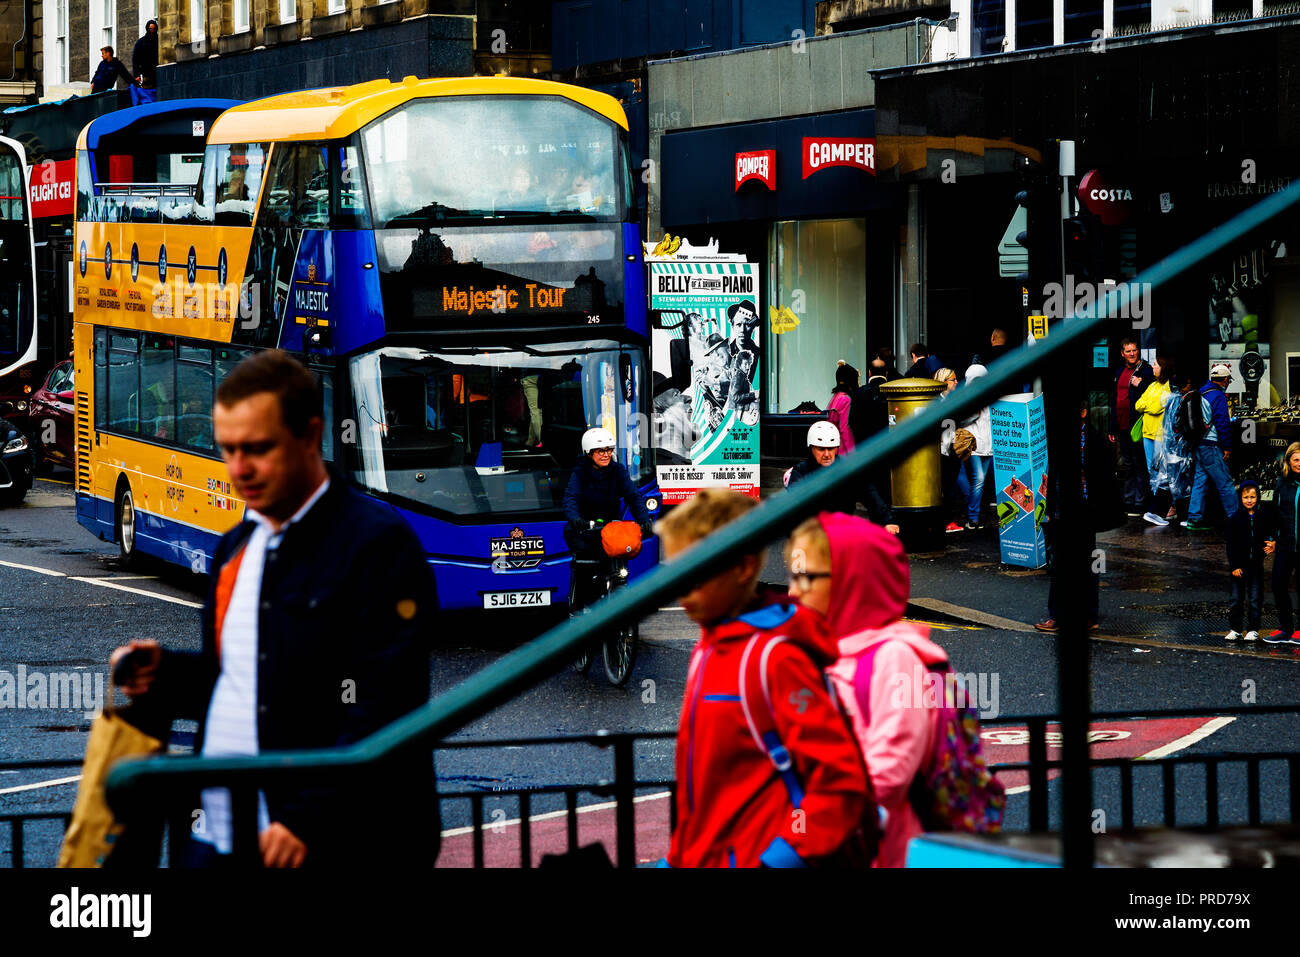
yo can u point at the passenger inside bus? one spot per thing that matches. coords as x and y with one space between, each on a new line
520 194
235 187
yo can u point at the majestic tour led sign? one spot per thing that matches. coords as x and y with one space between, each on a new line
501 298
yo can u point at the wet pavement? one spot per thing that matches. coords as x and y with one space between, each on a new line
1160 586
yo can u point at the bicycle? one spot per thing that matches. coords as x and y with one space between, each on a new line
619 644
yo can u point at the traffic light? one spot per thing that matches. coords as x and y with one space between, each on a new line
1082 247
1040 196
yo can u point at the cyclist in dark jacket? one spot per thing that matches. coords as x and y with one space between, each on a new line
597 491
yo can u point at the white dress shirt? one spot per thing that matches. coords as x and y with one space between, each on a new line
231 727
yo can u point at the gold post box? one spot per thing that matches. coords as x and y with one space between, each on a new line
917 494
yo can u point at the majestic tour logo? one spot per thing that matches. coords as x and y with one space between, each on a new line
820 152
314 302
518 550
759 165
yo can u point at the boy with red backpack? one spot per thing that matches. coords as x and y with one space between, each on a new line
768 774
918 738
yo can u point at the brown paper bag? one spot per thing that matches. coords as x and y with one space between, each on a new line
93 832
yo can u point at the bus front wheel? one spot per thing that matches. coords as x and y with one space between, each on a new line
126 528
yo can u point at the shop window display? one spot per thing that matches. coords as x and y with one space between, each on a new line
816 277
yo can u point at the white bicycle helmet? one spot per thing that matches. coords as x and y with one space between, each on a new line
824 435
603 439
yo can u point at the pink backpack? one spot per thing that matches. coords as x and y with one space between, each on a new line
954 790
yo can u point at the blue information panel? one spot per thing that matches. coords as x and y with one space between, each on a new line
1020 476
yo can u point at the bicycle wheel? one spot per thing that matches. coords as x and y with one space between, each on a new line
582 664
619 647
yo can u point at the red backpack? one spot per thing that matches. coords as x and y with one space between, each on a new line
863 844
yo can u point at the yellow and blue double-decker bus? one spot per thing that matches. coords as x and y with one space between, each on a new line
456 259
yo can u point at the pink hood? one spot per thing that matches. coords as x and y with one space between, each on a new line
869 587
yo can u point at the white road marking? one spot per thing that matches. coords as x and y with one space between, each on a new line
549 815
109 583
33 568
39 784
1187 740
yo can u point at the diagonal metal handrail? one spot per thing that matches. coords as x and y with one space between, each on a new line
142 784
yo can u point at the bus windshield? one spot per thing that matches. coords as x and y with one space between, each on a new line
476 430
468 158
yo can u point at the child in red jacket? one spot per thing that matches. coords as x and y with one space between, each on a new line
734 807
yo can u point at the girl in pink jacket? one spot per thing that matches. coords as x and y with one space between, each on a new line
846 383
856 574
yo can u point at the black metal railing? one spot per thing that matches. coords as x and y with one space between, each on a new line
13 825
624 788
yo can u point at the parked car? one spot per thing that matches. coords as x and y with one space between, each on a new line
17 463
51 418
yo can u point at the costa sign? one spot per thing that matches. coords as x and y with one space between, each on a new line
1111 204
759 165
820 152
50 192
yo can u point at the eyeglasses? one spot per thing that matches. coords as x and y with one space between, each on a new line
602 451
803 581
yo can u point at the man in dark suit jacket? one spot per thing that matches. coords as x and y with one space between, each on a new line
315 635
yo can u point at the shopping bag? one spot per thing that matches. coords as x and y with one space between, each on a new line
94 832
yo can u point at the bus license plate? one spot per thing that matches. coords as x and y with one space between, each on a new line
516 599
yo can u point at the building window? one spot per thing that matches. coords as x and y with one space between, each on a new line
1226 10
109 24
288 11
1083 20
989 26
56 54
1033 24
148 11
198 21
100 30
817 271
337 6
1132 17
240 13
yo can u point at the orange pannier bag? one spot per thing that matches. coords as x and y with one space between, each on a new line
621 539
